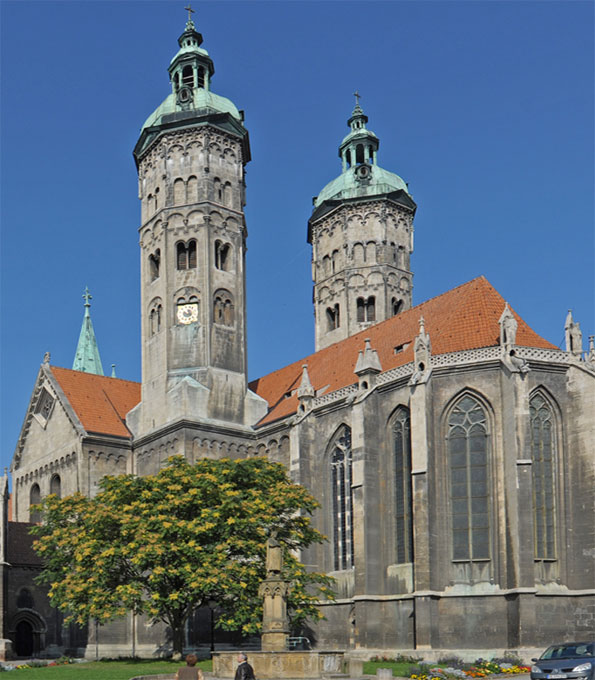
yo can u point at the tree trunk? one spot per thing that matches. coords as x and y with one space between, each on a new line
178 638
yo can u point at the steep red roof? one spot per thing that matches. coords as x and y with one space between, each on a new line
101 403
463 318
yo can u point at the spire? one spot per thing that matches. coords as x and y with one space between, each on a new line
87 357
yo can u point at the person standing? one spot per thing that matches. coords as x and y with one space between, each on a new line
244 671
189 671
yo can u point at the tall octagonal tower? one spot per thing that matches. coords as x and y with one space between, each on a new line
191 156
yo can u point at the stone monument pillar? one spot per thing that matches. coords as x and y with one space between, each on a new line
273 590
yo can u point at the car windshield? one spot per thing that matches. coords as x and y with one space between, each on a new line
570 651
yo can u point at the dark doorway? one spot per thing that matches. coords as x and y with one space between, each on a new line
24 639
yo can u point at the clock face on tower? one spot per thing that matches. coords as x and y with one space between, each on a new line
187 313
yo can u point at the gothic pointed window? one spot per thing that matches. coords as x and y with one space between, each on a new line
403 491
342 495
468 465
543 447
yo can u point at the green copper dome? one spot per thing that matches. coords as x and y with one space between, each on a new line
361 176
348 185
203 102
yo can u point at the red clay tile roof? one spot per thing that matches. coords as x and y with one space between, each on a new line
462 318
101 403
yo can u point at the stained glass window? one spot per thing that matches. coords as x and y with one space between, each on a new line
467 452
341 479
403 495
543 457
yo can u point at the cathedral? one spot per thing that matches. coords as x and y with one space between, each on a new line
450 446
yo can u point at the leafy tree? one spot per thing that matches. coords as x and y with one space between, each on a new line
165 544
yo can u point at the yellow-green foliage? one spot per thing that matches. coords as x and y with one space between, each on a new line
167 543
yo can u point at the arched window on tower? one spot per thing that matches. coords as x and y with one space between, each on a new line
396 306
403 490
341 492
200 75
468 464
34 499
188 76
333 317
366 309
222 255
56 485
154 262
543 456
348 158
223 308
186 255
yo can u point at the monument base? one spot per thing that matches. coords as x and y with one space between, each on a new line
282 664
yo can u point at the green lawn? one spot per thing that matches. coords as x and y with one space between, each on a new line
101 670
400 669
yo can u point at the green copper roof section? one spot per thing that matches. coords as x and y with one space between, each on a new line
204 103
87 357
361 176
347 185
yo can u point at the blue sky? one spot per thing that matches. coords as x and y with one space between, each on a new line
485 108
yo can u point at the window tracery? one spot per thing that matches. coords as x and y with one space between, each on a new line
341 480
403 489
468 467
543 454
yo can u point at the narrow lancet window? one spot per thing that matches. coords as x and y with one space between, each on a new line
342 495
403 491
543 456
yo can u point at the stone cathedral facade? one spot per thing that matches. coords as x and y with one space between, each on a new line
450 446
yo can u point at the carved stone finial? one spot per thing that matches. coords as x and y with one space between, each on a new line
508 328
306 389
367 360
422 351
591 354
574 336
46 358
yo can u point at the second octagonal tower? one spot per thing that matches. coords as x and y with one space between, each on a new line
361 231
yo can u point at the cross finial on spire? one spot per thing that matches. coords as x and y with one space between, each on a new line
357 96
87 296
190 12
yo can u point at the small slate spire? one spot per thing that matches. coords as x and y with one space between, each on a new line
87 357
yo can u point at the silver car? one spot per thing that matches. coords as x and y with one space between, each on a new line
568 660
